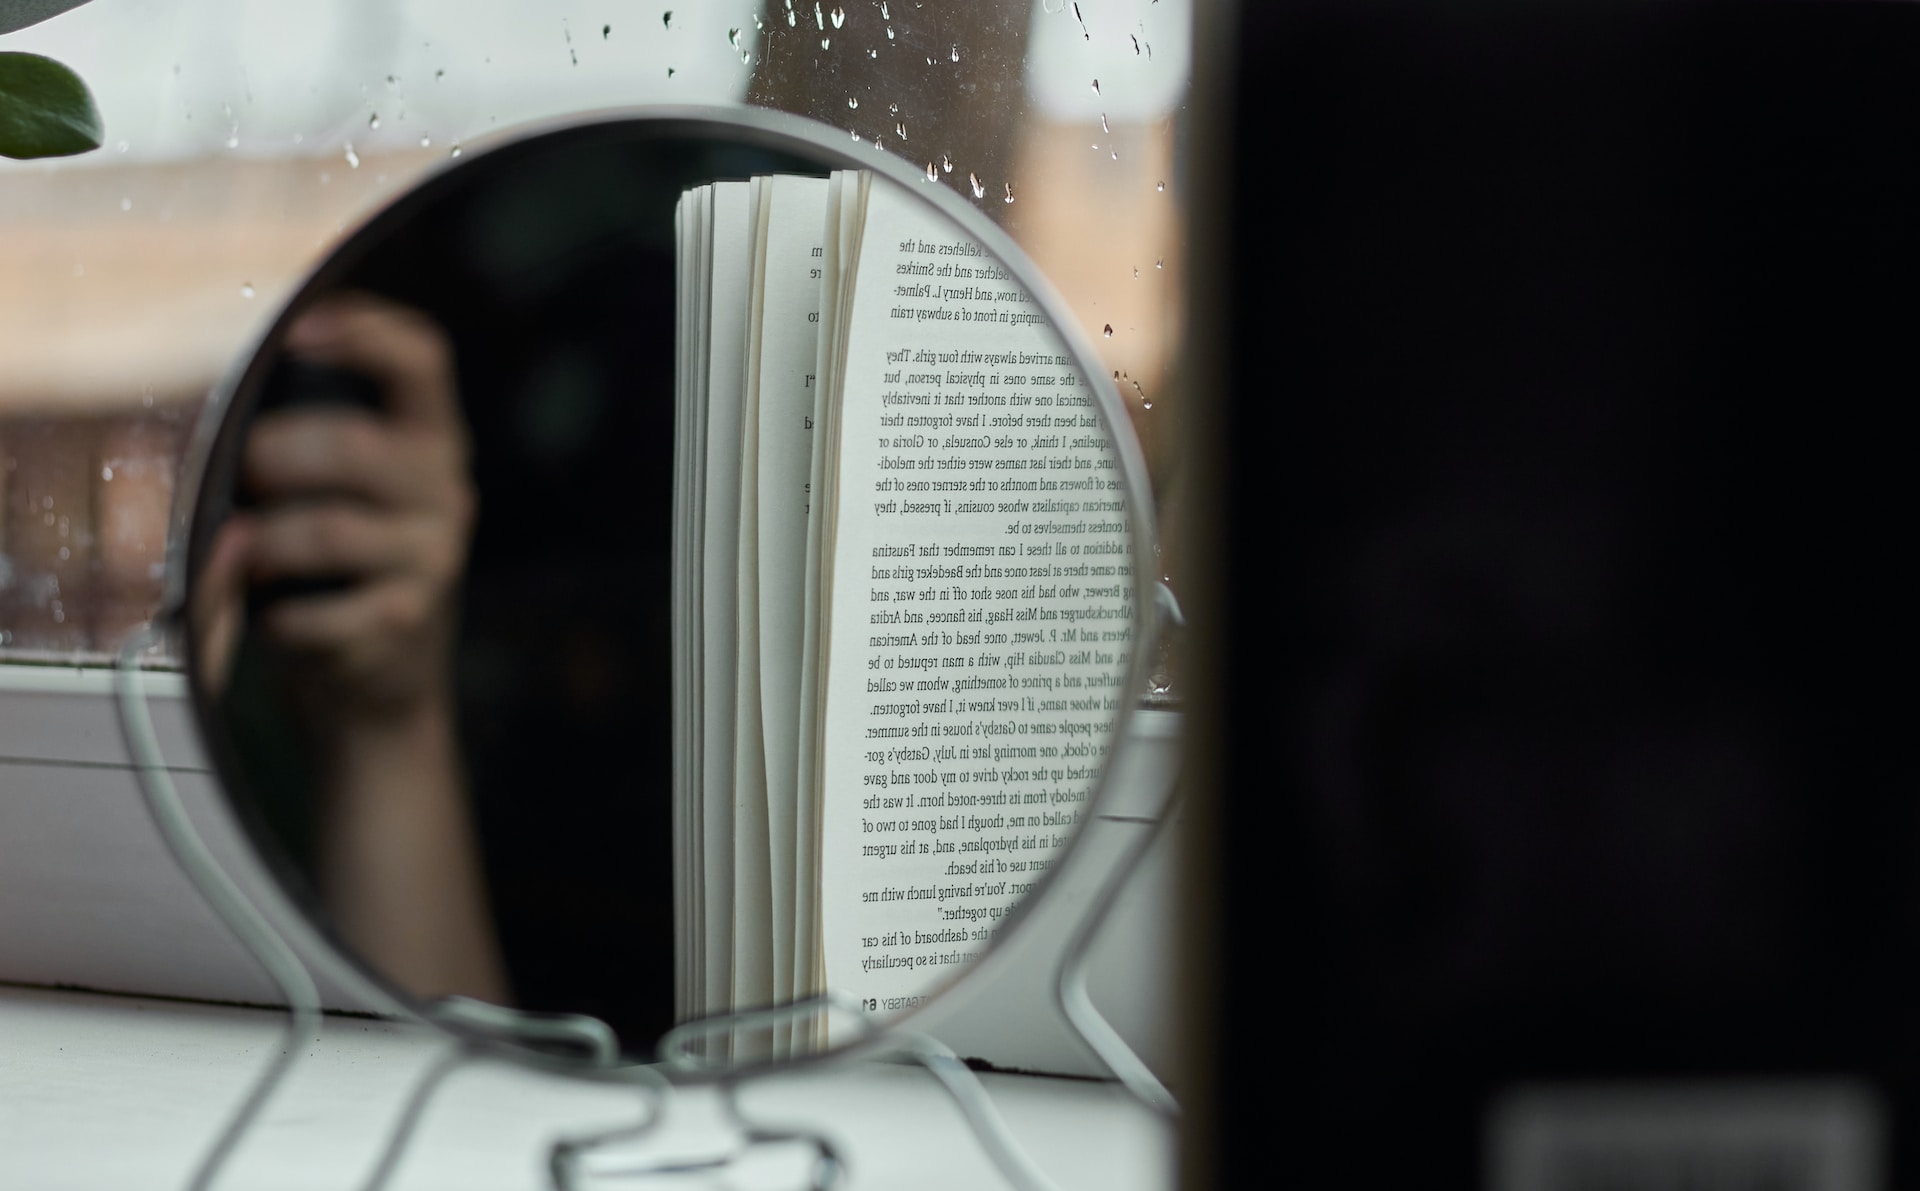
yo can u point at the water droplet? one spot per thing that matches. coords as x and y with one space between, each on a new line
1103 124
979 189
791 20
1162 187
391 81
1096 86
669 72
746 58
884 15
666 19
854 132
889 32
1106 332
933 172
819 20
353 159
1083 22
878 144
893 109
455 150
65 554
900 130
1136 44
956 53
233 142
852 102
106 475
373 121
826 42
733 38
59 616
438 75
873 53
246 289
1009 192
1161 263
126 204
1136 272
946 163
606 31
120 146
839 16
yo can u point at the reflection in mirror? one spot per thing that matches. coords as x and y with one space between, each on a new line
654 570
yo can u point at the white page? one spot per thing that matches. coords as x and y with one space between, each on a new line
696 207
729 243
795 214
754 923
807 972
980 600
685 874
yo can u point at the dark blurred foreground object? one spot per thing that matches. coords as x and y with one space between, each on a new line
1564 560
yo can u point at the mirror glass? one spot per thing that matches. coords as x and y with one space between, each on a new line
662 566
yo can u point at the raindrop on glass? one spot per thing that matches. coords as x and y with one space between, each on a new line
1103 124
606 31
889 32
373 121
852 102
819 20
933 172
873 53
791 19
455 150
1106 332
1096 86
884 15
733 38
438 75
65 554
839 16
1136 272
1009 192
246 289
1083 22
666 19
353 159
1161 263
1136 44
120 146
979 189
956 53
126 204
900 130
826 42
1162 187
893 109
106 475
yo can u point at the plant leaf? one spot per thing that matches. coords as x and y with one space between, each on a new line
45 110
18 14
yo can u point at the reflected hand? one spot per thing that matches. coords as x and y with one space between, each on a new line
381 501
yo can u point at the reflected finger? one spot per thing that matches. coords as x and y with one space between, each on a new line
400 347
348 452
366 620
342 539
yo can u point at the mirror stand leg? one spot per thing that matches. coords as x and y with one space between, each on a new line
240 916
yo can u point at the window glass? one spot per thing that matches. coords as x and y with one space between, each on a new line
244 136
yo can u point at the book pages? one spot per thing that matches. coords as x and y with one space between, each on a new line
976 589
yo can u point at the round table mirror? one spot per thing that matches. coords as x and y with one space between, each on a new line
663 566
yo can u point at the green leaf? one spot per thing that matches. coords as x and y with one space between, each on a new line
18 14
45 110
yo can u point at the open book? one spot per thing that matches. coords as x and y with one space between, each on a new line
903 602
